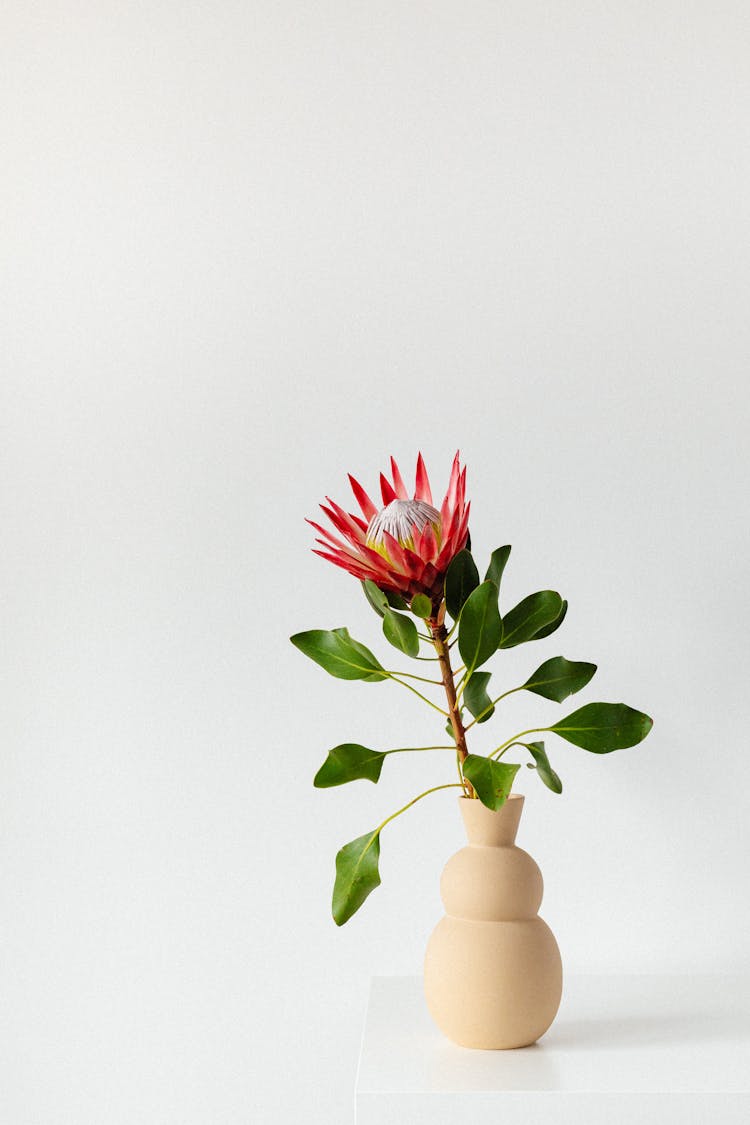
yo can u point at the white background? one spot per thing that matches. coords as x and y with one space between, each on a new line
247 247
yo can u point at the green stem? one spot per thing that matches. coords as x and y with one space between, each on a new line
515 739
468 672
417 693
494 701
435 788
414 749
422 679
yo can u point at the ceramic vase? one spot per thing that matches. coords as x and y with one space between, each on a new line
492 973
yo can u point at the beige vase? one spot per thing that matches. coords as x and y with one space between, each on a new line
492 972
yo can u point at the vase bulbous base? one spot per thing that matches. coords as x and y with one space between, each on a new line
493 985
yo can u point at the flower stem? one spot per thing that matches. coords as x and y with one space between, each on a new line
492 704
388 819
414 749
411 676
511 741
424 698
440 641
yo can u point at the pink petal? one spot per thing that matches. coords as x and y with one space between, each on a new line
364 501
422 490
398 481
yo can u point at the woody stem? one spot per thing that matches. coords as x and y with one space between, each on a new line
440 641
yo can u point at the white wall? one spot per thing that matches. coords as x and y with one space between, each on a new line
247 247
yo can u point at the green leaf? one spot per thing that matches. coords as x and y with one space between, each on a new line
357 875
395 601
379 600
349 762
553 625
558 678
479 627
542 767
498 559
492 780
461 578
476 698
524 621
364 653
604 727
339 654
375 597
421 606
401 632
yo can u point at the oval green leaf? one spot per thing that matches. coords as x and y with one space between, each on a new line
357 875
498 559
542 766
339 654
553 625
461 578
375 597
349 762
524 621
379 600
604 727
421 606
477 698
479 627
492 780
558 678
401 632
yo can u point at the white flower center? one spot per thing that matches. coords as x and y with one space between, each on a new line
401 519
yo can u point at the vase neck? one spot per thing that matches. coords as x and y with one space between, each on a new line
491 829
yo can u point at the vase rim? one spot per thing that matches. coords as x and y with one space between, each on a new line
512 797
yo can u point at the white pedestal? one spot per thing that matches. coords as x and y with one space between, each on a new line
638 1050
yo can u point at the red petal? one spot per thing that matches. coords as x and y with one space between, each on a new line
398 481
461 496
428 547
429 574
396 553
352 568
387 490
328 535
449 502
364 501
345 522
351 557
422 490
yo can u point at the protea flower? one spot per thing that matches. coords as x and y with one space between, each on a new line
405 546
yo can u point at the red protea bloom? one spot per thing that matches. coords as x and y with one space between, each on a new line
405 546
